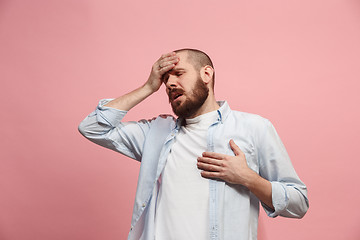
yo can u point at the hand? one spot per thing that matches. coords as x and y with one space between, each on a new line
164 64
232 169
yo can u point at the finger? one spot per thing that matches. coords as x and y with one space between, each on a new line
168 62
167 55
166 69
211 175
211 161
208 167
235 148
168 58
213 155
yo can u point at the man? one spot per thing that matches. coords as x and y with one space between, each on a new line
203 174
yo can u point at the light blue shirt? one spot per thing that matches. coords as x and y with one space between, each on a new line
233 209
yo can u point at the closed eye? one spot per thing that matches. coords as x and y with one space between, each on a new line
177 73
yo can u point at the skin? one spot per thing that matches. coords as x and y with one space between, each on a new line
175 72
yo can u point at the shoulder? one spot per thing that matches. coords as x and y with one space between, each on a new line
163 117
253 125
250 119
162 120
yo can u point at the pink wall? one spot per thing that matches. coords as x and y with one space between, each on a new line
294 62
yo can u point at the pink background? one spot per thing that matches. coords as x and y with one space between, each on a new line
294 62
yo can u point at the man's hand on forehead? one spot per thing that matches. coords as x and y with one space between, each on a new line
167 62
164 64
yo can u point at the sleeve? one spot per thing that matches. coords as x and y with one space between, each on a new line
105 128
289 193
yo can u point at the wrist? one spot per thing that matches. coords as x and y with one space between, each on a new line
251 179
148 88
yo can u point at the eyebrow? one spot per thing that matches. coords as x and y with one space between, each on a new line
166 75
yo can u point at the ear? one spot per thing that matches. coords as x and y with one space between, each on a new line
207 73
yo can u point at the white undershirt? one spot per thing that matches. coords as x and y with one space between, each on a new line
183 201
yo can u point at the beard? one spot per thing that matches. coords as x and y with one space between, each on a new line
193 101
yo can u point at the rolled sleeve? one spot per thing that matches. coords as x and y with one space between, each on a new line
104 127
289 193
107 115
280 199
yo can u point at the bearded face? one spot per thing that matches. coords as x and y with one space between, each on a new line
193 100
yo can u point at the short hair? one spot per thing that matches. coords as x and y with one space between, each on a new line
198 59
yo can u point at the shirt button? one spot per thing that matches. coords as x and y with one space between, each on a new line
144 205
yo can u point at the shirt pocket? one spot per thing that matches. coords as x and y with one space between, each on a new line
249 151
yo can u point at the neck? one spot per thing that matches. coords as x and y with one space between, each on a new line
209 105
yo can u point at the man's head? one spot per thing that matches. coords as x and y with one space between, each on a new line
189 82
198 59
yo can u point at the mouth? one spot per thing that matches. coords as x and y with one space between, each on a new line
177 96
174 95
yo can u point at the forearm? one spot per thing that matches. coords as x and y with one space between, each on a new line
165 63
261 188
129 100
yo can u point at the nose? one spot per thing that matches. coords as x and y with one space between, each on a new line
171 82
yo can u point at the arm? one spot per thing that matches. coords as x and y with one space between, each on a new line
104 126
289 193
277 185
165 63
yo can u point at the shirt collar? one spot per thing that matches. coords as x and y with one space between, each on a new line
223 111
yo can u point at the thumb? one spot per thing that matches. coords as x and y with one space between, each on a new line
235 148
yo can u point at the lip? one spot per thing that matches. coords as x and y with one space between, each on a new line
174 96
177 98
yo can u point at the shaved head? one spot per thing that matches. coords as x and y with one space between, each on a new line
197 58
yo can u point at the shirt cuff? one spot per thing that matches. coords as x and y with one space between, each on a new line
280 199
108 115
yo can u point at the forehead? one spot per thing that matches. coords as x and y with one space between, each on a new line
183 62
